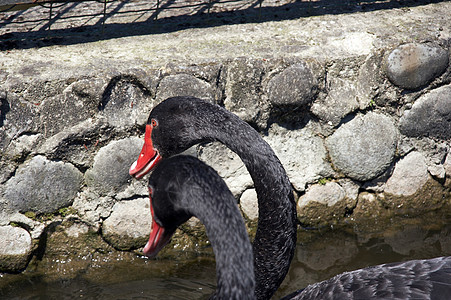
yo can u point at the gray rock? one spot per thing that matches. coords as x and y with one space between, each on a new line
370 80
18 116
76 144
413 65
5 214
23 145
249 204
434 150
35 228
350 187
328 194
296 85
447 165
437 171
377 184
409 176
302 154
19 148
70 107
326 204
7 171
405 146
43 186
92 208
208 71
15 248
228 165
91 88
364 147
242 89
129 225
109 173
340 101
184 85
125 102
135 188
76 230
430 115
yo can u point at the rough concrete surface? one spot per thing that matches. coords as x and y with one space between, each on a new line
325 36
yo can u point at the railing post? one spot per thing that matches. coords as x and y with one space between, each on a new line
50 15
158 10
260 10
104 16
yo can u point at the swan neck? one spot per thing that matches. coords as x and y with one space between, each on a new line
233 251
275 238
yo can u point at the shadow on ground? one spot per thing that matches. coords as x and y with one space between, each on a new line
202 18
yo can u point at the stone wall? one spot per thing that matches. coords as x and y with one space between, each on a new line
361 138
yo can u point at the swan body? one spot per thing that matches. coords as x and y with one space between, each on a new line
178 123
414 279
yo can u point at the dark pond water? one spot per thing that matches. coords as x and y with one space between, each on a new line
319 255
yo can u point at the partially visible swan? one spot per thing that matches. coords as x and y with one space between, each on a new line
414 279
183 186
181 122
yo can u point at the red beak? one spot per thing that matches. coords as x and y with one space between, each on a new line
158 238
148 157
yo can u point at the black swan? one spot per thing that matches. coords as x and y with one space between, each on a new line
181 122
183 186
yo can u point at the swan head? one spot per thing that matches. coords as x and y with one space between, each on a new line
166 209
160 234
173 126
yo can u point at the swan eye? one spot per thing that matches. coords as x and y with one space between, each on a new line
154 123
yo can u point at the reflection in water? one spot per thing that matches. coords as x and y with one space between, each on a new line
319 256
169 288
322 256
141 279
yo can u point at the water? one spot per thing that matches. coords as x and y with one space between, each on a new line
319 255
120 279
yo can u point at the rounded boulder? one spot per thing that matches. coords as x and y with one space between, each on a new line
15 248
43 186
430 115
128 226
413 65
109 173
364 147
296 85
184 85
